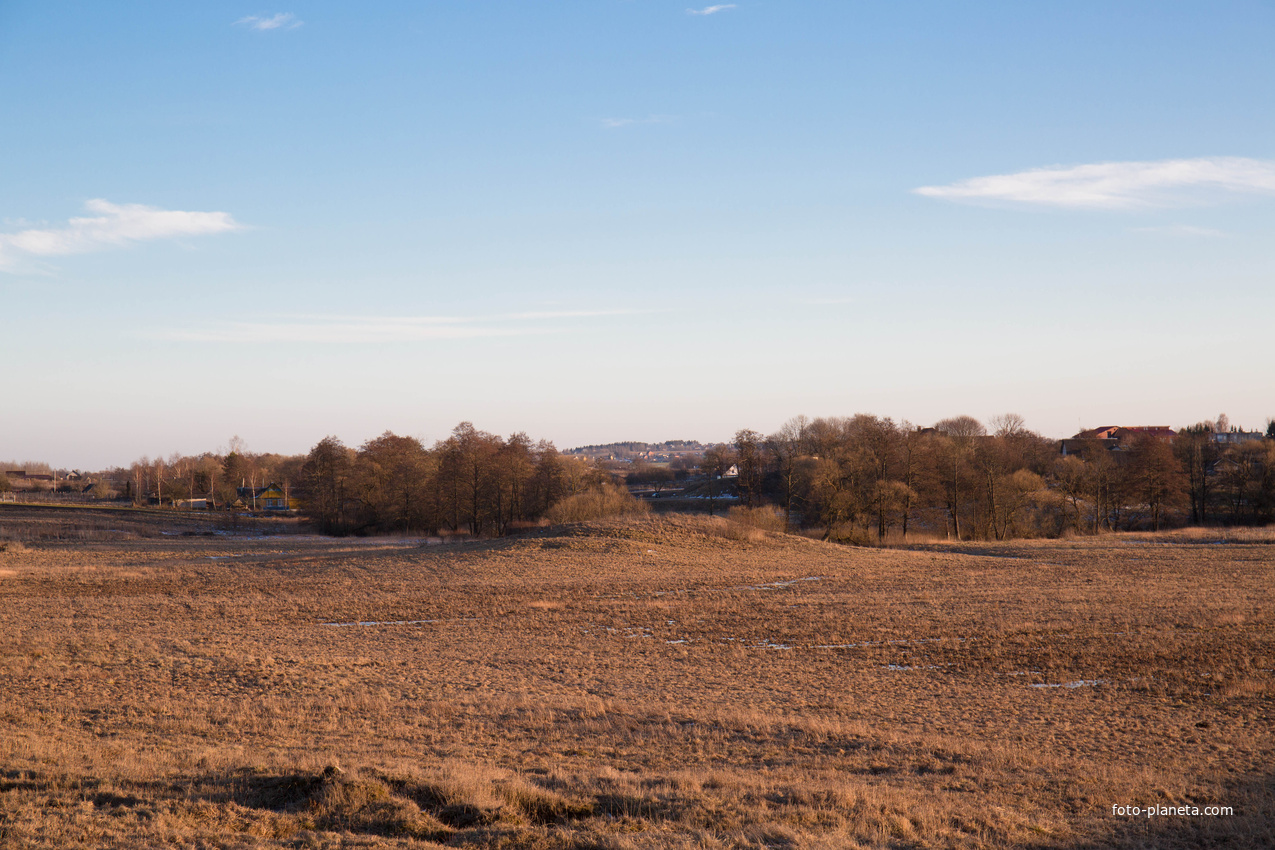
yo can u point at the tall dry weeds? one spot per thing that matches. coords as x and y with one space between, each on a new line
606 501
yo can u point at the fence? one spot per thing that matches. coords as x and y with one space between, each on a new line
48 497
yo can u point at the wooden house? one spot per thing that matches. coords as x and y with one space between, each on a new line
272 497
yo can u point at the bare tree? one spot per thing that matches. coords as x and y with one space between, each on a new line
877 442
393 473
468 474
750 459
515 469
1072 477
955 454
327 474
1155 476
910 464
787 447
1007 425
1197 451
714 463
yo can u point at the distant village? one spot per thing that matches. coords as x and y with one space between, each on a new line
666 452
1117 438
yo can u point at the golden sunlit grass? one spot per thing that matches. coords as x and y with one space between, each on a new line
638 683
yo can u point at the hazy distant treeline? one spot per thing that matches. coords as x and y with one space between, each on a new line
865 478
29 466
860 478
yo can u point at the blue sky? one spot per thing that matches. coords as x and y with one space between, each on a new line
626 219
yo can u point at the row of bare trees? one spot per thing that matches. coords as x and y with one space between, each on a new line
865 477
216 476
859 478
472 482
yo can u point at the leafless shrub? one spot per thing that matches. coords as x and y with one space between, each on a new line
852 534
602 502
721 527
765 519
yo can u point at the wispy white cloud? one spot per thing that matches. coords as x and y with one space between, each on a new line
711 10
1183 230
336 331
1118 185
568 314
616 123
831 301
380 329
280 20
113 225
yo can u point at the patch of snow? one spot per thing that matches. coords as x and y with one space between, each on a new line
870 643
397 622
384 623
774 584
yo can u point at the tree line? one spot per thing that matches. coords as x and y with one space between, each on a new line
866 478
859 478
472 482
215 476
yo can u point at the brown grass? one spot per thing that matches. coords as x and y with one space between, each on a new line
637 683
766 519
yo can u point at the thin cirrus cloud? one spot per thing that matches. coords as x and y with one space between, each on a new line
1183 230
830 301
711 10
616 123
337 330
111 225
280 20
1118 185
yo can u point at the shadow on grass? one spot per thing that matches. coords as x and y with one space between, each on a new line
1251 822
512 812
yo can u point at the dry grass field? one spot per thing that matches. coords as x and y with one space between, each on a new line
670 682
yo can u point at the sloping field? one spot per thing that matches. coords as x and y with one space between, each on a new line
671 682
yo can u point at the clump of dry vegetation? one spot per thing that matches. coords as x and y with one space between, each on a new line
765 519
633 683
604 501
